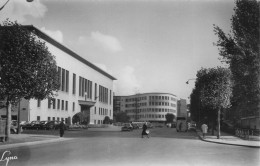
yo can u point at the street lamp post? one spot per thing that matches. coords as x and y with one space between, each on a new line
9 0
187 82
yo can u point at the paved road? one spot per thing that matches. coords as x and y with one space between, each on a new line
165 147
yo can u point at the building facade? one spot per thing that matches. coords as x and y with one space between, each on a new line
150 107
84 88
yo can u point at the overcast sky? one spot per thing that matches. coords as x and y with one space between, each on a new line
149 46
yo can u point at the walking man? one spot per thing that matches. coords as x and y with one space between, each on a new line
62 128
204 129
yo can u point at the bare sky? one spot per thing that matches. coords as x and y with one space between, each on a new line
149 46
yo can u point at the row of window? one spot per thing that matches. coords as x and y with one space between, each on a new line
147 116
63 79
160 103
53 118
136 99
161 98
60 104
102 111
135 105
85 86
151 110
98 121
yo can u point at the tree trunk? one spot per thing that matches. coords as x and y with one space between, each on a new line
8 120
218 136
213 128
18 119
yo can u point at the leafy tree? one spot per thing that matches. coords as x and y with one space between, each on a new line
122 117
27 69
77 118
240 49
169 117
215 92
106 120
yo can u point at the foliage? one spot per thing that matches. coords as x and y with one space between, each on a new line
240 49
122 117
169 117
106 120
27 69
77 118
216 87
212 93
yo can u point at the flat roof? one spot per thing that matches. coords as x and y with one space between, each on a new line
147 94
65 49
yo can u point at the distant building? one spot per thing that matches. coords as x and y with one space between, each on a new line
84 88
150 107
182 108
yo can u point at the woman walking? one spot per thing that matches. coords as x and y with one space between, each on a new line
145 131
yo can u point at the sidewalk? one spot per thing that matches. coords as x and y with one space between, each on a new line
19 140
228 140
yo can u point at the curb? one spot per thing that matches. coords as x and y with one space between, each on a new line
225 143
17 145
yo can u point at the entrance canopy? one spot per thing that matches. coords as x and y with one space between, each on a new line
86 103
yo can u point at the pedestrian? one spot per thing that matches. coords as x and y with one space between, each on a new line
62 128
204 129
145 131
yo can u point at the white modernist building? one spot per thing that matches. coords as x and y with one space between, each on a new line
150 107
84 88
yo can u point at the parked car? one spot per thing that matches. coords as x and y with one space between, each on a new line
127 127
52 125
40 125
25 125
135 126
31 125
191 126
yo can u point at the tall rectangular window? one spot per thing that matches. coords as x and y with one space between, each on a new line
54 103
86 86
62 104
63 80
90 90
82 87
73 106
53 118
49 103
38 118
67 81
59 76
79 86
38 103
74 84
110 97
58 104
66 106
95 91
49 118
